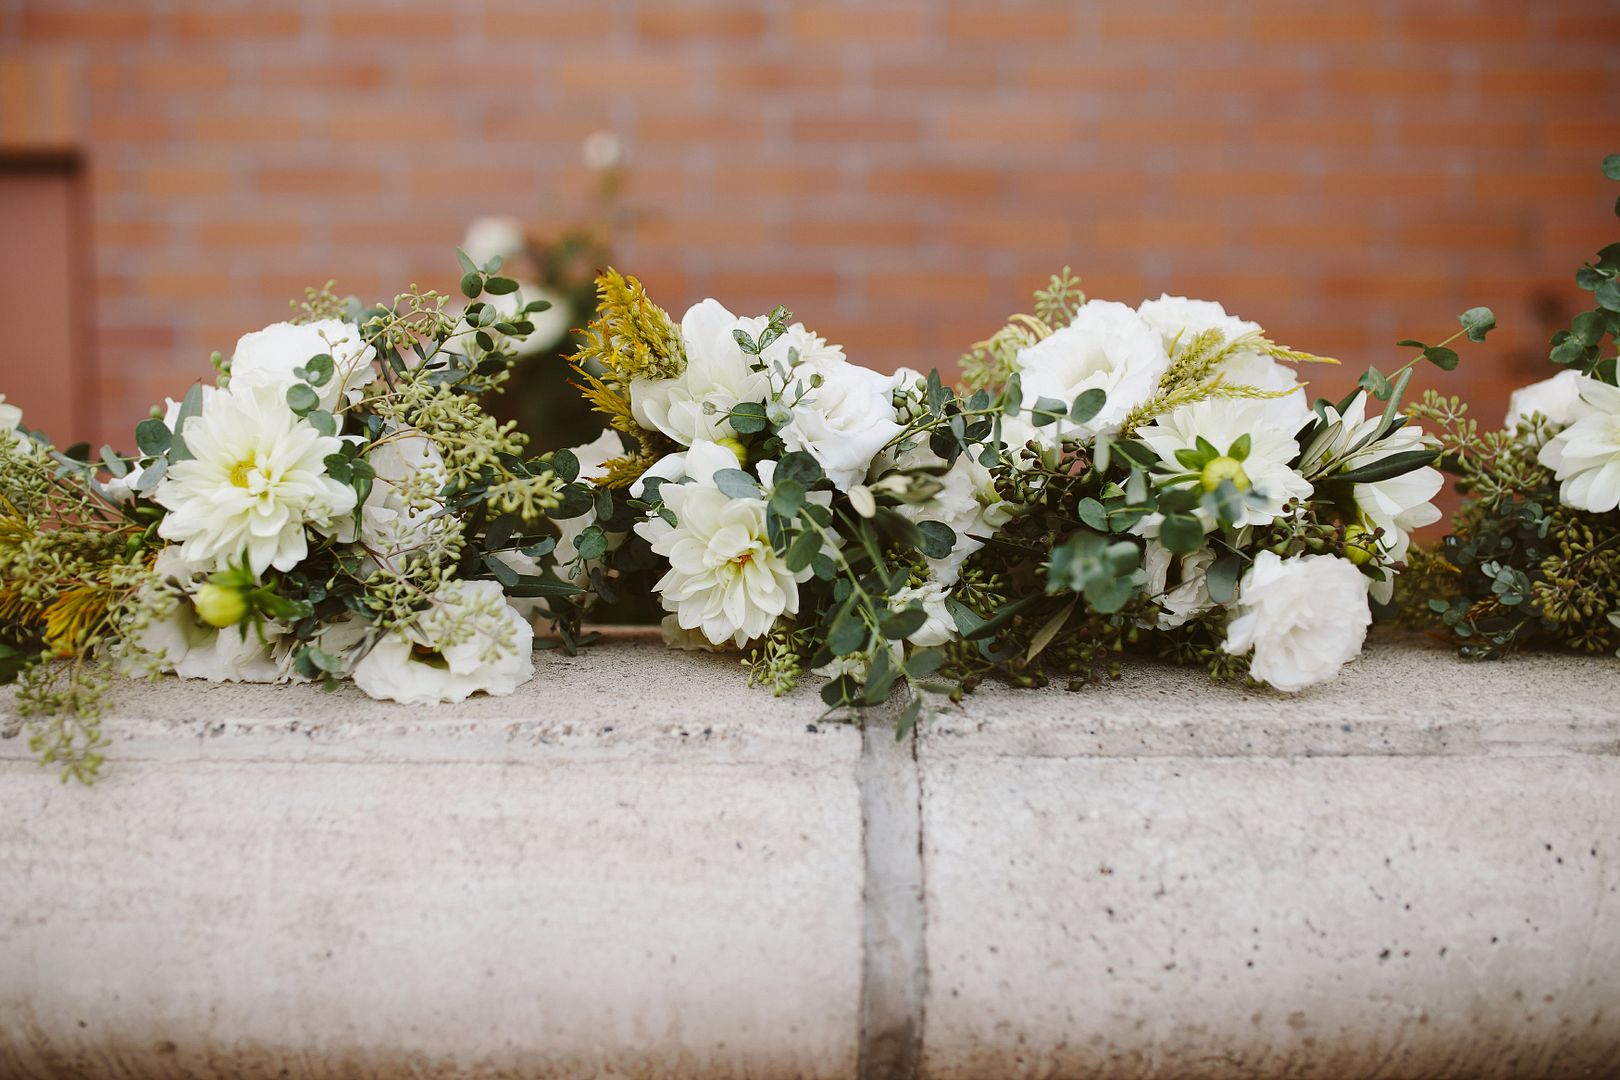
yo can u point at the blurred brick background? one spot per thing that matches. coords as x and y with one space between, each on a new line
900 173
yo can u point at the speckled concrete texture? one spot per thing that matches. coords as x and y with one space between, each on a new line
1412 872
638 867
635 867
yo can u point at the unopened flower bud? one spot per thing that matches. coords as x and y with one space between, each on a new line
735 446
1360 545
860 497
219 606
1225 468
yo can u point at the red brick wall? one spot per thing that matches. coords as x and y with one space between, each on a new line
900 173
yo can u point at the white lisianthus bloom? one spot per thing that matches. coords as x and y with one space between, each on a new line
1178 320
1108 347
692 407
593 458
1188 595
10 420
233 654
1397 505
939 627
1585 456
256 480
844 421
1303 618
432 661
724 578
492 236
397 516
1557 398
1264 473
266 358
967 501
342 639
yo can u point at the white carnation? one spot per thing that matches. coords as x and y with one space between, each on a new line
1585 456
1557 398
256 480
266 358
1108 347
692 407
1304 618
469 641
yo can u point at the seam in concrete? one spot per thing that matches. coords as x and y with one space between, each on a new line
894 959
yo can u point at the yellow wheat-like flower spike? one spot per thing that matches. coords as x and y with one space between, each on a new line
71 617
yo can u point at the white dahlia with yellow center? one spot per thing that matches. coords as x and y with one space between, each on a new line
255 481
724 577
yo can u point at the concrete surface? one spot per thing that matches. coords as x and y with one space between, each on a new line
1412 872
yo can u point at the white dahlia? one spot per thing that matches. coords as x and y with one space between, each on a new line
255 481
1303 618
1263 470
1585 456
724 578
469 641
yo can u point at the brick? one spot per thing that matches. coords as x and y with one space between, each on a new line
1162 130
175 75
984 126
1162 232
938 182
365 23
618 75
1287 25
877 232
713 234
978 24
129 126
735 73
688 127
1541 81
247 127
776 180
338 74
213 24
1396 82
757 291
319 180
1461 235
99 23
845 24
171 180
1326 233
965 75
481 182
1066 76
1326 131
249 234
1197 26
854 128
1455 28
1247 184
527 21
689 22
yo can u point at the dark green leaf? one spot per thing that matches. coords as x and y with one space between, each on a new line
803 551
1181 533
1091 512
1088 404
938 539
1608 294
1441 357
1222 578
799 467
748 417
1387 467
566 465
323 422
504 574
318 370
500 286
1047 411
301 399
472 284
591 543
847 635
787 496
1611 166
152 436
737 484
899 625
1477 321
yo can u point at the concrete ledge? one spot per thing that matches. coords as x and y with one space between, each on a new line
1410 872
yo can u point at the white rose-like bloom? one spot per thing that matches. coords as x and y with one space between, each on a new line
1107 346
1585 456
1304 618
424 665
491 236
266 358
939 626
257 478
234 654
967 501
1189 596
842 423
1397 505
724 578
718 375
393 522
1178 320
1557 398
1265 471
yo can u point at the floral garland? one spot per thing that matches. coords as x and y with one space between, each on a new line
340 505
1534 554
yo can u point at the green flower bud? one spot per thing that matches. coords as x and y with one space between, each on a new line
219 606
736 447
1225 468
